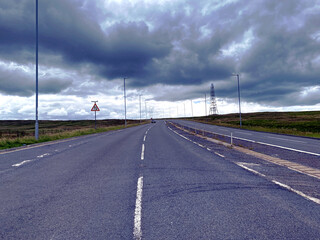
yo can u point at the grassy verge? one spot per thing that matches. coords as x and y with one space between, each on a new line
293 123
6 143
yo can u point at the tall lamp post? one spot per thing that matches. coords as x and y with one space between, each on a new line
125 102
205 104
239 97
145 106
140 106
37 123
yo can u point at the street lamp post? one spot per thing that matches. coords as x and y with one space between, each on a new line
239 97
140 106
205 103
145 106
37 123
125 102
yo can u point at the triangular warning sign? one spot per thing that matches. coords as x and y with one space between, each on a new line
95 108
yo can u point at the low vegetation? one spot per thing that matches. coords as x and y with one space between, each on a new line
293 123
16 133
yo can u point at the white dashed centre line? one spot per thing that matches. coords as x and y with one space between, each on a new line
142 152
21 163
43 155
220 155
137 233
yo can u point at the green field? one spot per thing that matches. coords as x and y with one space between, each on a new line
293 123
15 133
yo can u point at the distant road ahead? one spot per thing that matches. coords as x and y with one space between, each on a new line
144 182
298 143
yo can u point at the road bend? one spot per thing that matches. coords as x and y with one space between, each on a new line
145 182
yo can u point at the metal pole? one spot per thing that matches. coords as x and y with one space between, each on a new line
145 105
205 103
95 116
140 106
184 109
191 108
239 100
125 102
37 123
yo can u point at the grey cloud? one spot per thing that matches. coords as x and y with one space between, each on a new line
178 44
53 85
15 82
21 83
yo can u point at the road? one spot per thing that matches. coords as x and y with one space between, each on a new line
144 182
298 143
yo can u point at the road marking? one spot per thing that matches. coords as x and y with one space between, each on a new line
271 145
37 145
284 139
142 152
250 170
144 139
137 233
316 200
21 163
43 155
219 154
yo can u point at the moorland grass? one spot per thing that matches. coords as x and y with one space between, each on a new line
6 143
293 123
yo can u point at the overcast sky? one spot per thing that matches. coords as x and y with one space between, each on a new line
170 51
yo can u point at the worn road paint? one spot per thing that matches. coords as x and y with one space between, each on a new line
142 152
21 163
219 154
316 200
137 233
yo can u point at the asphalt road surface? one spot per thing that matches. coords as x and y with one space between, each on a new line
145 182
309 145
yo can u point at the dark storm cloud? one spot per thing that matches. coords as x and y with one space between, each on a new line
273 44
64 30
15 81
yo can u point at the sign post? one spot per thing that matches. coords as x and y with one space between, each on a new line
94 109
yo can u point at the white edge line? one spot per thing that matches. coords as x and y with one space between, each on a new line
219 154
37 145
137 233
142 152
21 163
251 170
267 144
316 200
